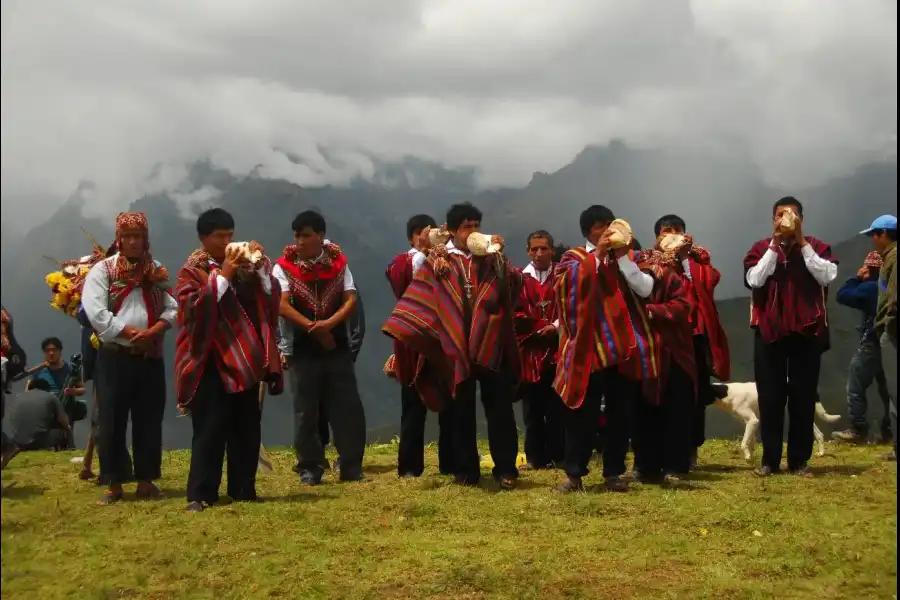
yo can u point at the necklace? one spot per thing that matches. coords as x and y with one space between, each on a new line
467 276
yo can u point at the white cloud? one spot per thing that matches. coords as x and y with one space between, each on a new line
105 90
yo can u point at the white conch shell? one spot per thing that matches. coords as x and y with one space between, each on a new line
480 244
244 247
621 236
788 221
672 242
437 236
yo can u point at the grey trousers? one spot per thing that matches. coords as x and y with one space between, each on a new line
328 378
865 369
889 360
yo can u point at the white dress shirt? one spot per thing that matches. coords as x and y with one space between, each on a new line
823 271
279 275
418 259
641 283
95 300
452 249
541 276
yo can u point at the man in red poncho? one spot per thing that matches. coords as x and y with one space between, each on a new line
226 348
788 275
542 408
710 342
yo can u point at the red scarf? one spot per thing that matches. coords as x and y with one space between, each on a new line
306 276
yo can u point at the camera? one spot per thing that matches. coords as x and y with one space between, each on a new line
75 362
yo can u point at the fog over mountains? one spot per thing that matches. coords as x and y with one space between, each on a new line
725 201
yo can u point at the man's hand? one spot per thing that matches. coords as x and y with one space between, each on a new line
685 251
145 338
255 246
323 325
129 332
863 273
546 330
284 362
799 238
496 239
231 265
777 238
602 249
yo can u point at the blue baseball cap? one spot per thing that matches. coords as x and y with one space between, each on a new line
882 223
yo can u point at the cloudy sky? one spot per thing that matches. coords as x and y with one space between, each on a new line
105 90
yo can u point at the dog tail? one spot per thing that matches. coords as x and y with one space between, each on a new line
822 415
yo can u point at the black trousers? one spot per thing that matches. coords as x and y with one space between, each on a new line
55 439
581 423
135 386
327 379
224 425
103 477
705 395
503 437
787 374
411 454
662 434
542 413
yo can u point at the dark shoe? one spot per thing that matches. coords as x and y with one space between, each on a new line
356 477
571 484
111 496
765 471
297 468
890 456
10 453
194 507
803 471
671 480
850 436
148 491
616 484
694 459
506 483
310 478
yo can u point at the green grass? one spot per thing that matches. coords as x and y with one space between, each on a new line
733 536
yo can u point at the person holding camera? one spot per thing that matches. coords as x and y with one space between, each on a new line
64 379
39 421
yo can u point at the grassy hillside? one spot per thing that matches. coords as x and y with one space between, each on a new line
730 537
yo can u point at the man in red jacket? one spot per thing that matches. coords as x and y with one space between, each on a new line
788 275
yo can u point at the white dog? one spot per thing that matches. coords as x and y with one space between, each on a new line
742 400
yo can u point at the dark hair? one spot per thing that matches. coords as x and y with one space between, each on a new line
890 233
789 201
669 221
214 219
559 251
311 219
593 215
540 233
51 341
418 223
460 213
39 384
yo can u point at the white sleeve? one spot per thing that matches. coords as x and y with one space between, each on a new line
824 271
640 282
95 300
555 324
265 280
417 262
285 337
221 286
758 275
686 266
170 310
281 278
349 286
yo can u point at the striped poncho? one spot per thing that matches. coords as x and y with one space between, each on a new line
454 334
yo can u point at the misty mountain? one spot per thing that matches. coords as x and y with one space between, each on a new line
723 198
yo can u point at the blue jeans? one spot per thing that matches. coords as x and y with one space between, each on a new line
865 368
889 353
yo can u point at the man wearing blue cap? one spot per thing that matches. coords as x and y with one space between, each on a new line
884 237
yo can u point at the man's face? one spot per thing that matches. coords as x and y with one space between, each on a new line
597 231
540 252
461 235
880 240
670 230
419 239
132 243
309 243
52 354
216 242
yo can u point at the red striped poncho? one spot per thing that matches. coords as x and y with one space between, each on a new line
702 287
221 330
535 310
602 324
670 307
452 338
400 274
792 301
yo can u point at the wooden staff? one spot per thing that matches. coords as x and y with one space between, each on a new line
264 464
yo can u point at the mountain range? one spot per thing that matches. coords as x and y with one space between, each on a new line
724 199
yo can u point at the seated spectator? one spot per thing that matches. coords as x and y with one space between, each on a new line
64 381
39 421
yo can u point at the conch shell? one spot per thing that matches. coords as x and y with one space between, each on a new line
621 234
788 222
480 244
245 253
437 236
672 242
